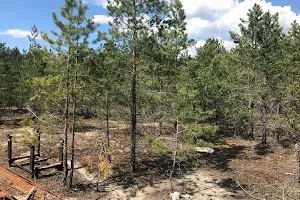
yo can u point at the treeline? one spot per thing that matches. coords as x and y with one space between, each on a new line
142 69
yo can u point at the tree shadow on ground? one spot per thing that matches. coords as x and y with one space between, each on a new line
149 171
222 156
153 170
229 184
263 149
87 128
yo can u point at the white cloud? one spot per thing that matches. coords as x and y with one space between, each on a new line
102 19
228 44
102 3
215 18
16 33
193 50
210 9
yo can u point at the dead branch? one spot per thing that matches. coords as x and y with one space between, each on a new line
250 195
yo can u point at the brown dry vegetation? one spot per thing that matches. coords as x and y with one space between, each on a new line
236 170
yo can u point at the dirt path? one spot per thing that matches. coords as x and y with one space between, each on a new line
199 184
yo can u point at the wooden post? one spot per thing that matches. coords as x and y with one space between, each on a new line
32 168
9 150
36 172
39 145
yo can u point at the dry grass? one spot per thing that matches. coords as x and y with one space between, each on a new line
234 164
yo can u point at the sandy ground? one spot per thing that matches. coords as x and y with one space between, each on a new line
236 170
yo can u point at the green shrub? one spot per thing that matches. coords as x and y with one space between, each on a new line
201 135
28 137
202 143
186 152
158 145
29 123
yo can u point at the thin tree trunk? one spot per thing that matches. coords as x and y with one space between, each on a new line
297 170
73 123
107 120
161 125
250 107
264 125
174 153
65 161
161 116
133 112
73 140
133 93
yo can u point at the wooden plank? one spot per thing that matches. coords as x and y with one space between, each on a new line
21 157
25 183
36 161
5 195
50 166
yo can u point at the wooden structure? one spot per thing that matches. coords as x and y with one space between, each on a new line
13 184
4 195
34 158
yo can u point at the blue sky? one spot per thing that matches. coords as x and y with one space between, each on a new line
17 17
22 14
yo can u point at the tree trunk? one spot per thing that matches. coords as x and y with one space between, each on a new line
174 153
73 124
134 104
161 125
73 142
107 120
251 110
251 133
264 125
133 115
65 161
297 170
161 116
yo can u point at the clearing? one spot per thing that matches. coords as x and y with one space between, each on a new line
236 170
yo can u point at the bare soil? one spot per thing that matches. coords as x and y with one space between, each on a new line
238 169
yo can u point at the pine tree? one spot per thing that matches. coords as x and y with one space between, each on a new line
131 17
173 49
73 38
258 44
11 75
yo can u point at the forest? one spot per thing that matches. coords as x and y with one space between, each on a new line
133 103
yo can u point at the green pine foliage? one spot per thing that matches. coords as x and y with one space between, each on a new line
141 72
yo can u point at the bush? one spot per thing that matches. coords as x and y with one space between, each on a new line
201 135
158 145
28 137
